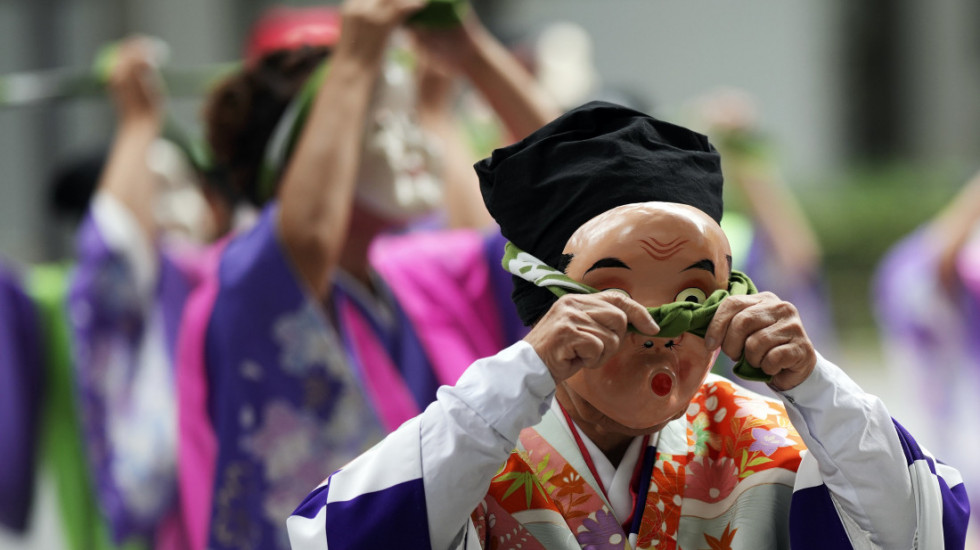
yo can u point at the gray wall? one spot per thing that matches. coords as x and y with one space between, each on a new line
781 51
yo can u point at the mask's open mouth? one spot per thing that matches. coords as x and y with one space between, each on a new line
661 383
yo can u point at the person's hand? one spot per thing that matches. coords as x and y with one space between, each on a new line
582 331
769 332
452 49
367 24
136 87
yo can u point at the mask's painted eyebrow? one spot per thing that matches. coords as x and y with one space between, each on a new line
608 262
705 264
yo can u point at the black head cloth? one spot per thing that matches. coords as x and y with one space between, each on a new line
589 160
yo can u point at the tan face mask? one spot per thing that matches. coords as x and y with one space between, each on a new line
658 253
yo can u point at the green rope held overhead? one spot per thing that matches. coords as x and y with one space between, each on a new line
440 14
193 147
674 318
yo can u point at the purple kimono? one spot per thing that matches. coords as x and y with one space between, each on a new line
21 368
277 388
124 332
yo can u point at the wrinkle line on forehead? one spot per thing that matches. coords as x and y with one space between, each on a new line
662 251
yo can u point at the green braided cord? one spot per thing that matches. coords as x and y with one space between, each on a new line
440 14
674 318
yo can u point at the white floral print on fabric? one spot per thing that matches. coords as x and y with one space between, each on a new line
756 407
297 447
303 343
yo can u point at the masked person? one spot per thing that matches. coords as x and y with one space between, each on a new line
137 261
305 346
927 305
603 428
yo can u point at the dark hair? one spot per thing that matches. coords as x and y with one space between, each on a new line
241 113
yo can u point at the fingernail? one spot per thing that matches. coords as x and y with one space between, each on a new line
710 343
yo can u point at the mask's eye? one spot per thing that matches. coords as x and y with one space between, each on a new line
695 295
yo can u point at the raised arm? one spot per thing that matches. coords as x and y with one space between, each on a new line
952 229
509 89
138 98
438 115
730 118
318 184
470 52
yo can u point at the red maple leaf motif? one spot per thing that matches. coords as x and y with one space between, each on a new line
722 543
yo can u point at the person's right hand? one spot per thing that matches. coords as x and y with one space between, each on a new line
367 24
136 87
583 331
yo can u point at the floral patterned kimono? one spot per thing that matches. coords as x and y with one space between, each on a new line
826 468
707 472
125 300
277 388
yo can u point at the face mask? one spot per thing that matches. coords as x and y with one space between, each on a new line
399 176
673 318
180 208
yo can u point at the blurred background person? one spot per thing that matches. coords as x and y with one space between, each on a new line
336 316
74 515
136 263
21 380
927 301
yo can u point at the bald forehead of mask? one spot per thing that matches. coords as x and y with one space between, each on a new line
641 247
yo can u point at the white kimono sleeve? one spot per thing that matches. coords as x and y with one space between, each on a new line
418 487
887 492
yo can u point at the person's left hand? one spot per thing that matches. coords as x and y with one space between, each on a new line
769 332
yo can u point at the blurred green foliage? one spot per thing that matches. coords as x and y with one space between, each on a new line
858 216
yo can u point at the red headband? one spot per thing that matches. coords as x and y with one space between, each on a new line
287 28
